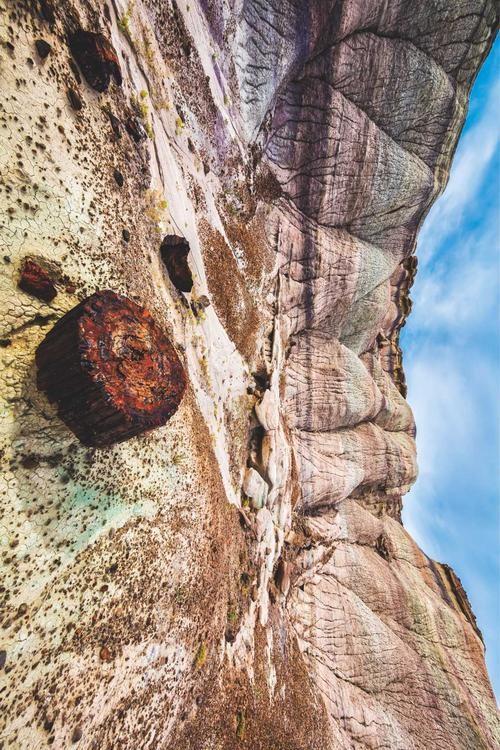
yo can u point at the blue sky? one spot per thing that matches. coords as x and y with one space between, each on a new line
452 364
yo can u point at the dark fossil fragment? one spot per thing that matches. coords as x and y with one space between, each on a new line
111 370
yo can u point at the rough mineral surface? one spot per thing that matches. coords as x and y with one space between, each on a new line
110 369
238 577
36 281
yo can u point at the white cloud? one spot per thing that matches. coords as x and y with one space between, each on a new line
476 151
451 361
461 290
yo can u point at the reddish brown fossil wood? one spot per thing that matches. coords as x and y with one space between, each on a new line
96 57
110 369
36 281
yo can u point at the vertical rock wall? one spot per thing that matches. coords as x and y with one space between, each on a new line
254 176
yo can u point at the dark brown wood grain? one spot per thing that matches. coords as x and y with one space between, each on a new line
110 369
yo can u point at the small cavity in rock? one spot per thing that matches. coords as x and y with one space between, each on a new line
199 305
43 48
47 11
75 71
135 129
77 735
115 124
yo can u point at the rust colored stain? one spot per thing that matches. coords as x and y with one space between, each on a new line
105 654
174 252
36 281
110 369
96 58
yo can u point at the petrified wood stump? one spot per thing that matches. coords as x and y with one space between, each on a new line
110 369
174 252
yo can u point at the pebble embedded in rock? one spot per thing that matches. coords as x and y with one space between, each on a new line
105 654
77 735
115 124
118 178
174 251
96 58
36 281
43 48
126 235
74 100
111 370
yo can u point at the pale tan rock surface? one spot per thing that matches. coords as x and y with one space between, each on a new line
238 577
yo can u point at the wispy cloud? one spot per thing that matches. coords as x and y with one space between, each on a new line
452 367
474 156
460 290
454 407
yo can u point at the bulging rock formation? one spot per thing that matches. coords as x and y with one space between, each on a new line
202 547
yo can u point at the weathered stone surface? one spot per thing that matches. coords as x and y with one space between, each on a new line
145 602
319 373
110 369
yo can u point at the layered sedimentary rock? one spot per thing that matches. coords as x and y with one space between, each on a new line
253 175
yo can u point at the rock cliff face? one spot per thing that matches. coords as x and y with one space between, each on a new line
223 198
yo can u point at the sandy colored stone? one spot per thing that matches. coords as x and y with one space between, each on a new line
297 148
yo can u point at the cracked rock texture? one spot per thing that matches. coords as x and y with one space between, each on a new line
238 576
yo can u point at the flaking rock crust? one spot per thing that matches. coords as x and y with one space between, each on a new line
238 576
